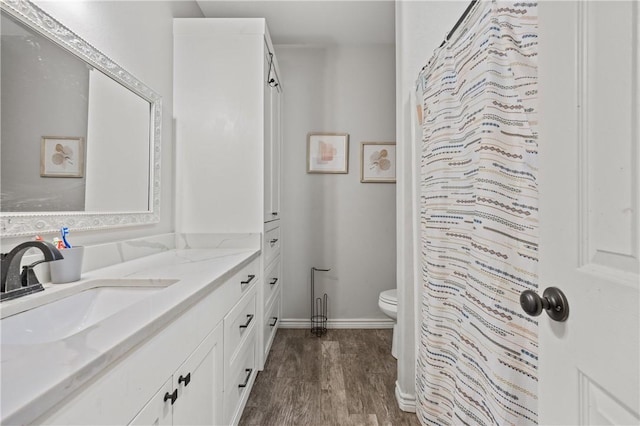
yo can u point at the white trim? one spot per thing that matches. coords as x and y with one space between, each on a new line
339 323
406 402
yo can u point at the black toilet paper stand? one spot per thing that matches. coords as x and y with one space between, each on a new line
318 307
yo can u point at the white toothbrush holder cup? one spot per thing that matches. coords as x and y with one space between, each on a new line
68 269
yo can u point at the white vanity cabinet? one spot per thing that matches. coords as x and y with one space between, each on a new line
182 374
193 395
228 122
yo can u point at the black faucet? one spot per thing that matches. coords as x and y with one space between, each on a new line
15 283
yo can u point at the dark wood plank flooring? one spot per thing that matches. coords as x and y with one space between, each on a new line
346 377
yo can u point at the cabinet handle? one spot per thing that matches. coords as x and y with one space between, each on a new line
275 321
250 278
275 280
250 318
274 213
172 396
273 242
246 380
186 379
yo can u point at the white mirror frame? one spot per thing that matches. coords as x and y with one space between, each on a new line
34 223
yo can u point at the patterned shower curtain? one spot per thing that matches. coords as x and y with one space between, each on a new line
477 361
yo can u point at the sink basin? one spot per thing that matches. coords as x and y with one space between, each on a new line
69 315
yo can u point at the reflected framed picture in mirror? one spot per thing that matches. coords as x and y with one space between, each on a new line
62 156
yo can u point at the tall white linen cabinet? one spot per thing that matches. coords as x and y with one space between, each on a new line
227 119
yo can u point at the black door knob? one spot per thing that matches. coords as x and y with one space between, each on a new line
553 301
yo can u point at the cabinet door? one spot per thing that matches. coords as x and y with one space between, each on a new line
238 324
267 140
271 283
270 324
158 410
241 373
276 145
199 382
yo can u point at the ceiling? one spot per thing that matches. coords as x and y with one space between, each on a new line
314 22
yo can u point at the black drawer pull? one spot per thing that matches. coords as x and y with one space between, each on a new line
249 279
172 396
246 380
186 379
250 318
275 321
275 280
273 242
274 213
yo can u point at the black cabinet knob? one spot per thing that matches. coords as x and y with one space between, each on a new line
553 301
185 379
172 396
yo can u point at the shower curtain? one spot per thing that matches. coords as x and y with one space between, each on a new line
477 359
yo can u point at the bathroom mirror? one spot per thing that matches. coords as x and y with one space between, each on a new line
80 135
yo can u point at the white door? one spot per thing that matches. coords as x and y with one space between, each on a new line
590 210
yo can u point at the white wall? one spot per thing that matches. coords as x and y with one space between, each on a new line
117 159
139 37
334 221
420 28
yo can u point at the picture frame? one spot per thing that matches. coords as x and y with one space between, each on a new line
328 153
62 157
378 162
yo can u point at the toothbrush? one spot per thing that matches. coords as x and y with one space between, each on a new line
57 243
65 231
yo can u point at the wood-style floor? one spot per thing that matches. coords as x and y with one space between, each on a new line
346 377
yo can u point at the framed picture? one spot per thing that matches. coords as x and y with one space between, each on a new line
62 156
378 162
327 153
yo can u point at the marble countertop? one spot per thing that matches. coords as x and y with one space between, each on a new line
36 377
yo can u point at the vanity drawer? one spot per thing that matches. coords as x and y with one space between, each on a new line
241 376
271 244
271 323
271 281
245 279
238 326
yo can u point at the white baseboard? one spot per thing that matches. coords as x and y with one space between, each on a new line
339 323
406 402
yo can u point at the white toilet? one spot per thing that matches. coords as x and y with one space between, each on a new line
388 302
